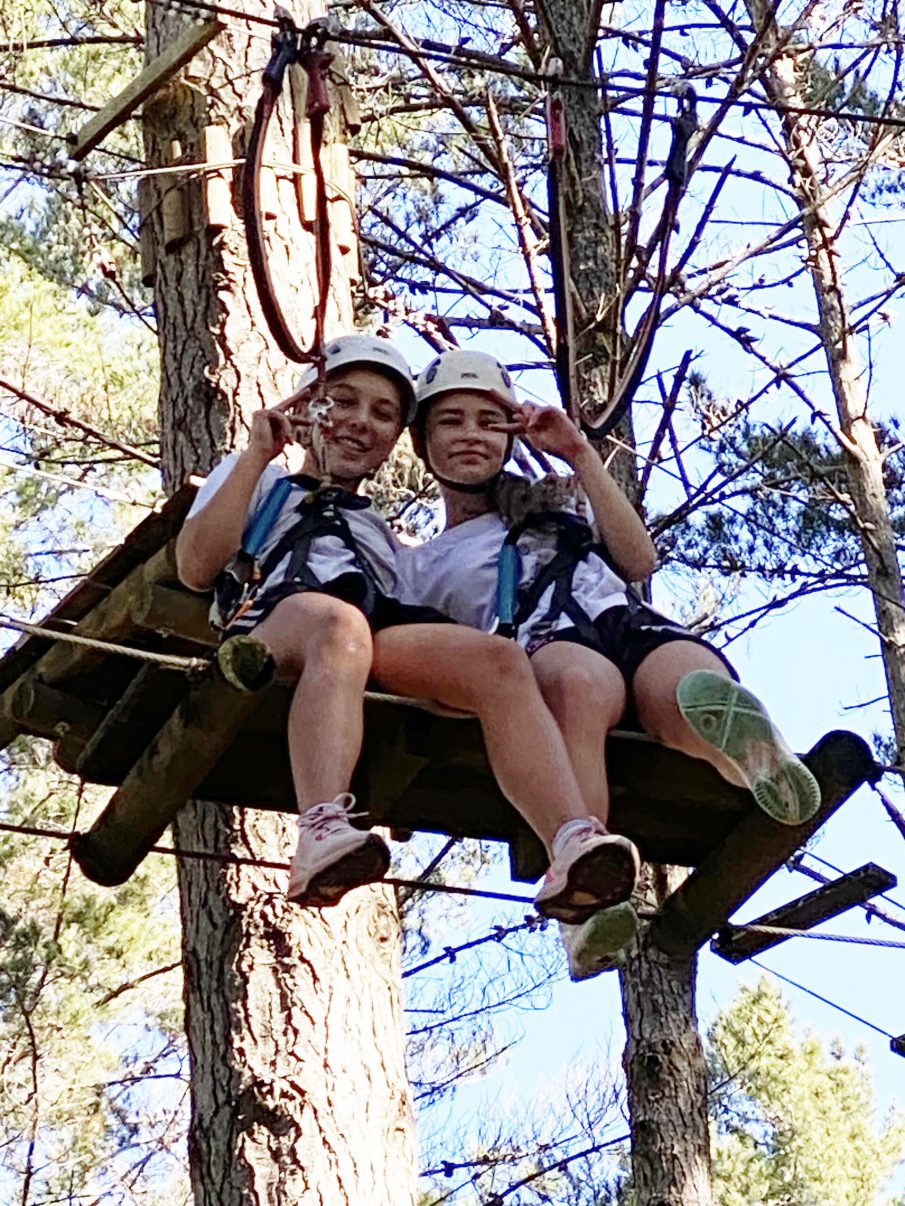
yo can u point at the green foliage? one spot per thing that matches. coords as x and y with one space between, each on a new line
66 495
92 1096
788 479
794 1118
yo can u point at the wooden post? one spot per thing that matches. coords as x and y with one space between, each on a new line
175 204
216 193
157 73
736 943
167 773
753 850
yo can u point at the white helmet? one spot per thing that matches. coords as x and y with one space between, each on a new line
463 370
369 351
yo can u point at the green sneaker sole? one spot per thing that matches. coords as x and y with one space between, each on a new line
600 943
736 723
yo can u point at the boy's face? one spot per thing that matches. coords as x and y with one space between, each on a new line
362 425
461 442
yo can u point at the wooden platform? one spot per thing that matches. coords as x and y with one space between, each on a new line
114 720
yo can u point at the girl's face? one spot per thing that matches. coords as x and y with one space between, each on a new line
363 422
461 443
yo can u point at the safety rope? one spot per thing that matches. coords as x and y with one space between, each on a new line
238 860
194 665
465 58
191 665
782 932
826 1001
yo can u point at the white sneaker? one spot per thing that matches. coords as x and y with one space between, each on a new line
332 856
600 944
591 870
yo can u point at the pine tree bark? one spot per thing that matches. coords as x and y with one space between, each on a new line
294 1019
664 1061
864 461
665 1069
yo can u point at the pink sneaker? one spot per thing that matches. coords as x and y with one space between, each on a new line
591 870
332 856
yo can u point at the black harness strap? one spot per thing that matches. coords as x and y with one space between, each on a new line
575 542
320 514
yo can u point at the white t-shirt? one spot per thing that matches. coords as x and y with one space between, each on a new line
328 556
456 573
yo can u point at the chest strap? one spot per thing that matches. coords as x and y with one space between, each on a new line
575 542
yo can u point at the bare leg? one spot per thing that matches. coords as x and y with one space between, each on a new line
654 690
586 694
325 645
492 678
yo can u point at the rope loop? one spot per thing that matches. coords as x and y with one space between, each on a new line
291 45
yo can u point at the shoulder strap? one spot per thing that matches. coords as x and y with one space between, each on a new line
265 516
574 542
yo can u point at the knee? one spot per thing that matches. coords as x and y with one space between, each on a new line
579 693
318 633
342 641
505 667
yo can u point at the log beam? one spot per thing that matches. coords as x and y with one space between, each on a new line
736 943
43 711
173 612
755 848
111 749
168 772
157 73
110 619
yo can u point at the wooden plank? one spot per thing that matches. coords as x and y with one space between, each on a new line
118 741
897 1044
754 849
45 712
174 611
736 943
110 619
163 778
140 544
157 73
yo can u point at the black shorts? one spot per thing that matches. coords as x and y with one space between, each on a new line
350 588
626 635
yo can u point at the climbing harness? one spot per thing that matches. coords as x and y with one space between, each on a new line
304 47
575 542
684 124
320 514
241 575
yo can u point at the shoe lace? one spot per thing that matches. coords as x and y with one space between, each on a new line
322 816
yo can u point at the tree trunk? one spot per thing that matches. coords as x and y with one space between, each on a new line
665 1069
294 1018
864 461
664 1060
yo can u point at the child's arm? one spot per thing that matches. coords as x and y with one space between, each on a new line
618 523
209 539
621 529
